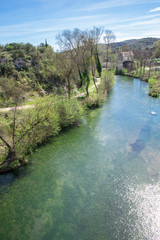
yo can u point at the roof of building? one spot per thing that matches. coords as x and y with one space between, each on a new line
127 56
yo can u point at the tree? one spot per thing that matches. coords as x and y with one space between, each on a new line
76 44
26 129
109 38
66 68
94 38
10 90
156 51
96 34
142 55
71 42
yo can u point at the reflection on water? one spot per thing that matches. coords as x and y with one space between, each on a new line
97 182
140 215
144 199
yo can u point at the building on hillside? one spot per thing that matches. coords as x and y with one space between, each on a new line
125 60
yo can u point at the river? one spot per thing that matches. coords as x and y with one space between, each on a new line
100 181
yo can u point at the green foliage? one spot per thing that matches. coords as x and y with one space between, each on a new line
152 81
69 110
81 78
154 87
10 91
96 98
107 82
93 101
35 125
98 64
124 71
24 130
30 66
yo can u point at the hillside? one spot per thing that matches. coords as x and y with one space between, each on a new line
34 68
134 43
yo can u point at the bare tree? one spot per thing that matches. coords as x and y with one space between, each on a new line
76 44
82 51
143 56
95 36
109 38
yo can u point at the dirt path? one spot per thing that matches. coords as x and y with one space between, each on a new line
83 94
32 106
18 108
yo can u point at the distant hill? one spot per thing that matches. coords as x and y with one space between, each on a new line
134 43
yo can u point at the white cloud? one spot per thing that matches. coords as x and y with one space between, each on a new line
155 9
107 4
114 3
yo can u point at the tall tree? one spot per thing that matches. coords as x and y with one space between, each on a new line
77 45
96 34
109 38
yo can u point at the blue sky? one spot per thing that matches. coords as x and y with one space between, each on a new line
36 20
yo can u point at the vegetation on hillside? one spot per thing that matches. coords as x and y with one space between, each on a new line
142 43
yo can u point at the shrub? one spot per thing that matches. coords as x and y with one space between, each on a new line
92 101
69 111
107 82
124 71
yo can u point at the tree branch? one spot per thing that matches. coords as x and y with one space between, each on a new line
3 140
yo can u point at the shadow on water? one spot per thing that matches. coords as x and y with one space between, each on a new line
6 179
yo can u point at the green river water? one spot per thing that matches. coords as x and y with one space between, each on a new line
100 181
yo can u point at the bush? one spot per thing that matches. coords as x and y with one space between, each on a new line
152 82
107 82
154 87
93 101
124 71
69 111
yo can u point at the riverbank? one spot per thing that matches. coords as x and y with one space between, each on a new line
23 129
152 78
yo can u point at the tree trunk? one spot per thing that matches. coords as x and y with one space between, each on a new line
107 58
141 64
137 69
87 91
93 75
69 88
11 157
144 65
149 71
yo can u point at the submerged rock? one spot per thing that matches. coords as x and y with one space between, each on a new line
138 145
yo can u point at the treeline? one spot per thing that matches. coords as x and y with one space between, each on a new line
143 43
40 69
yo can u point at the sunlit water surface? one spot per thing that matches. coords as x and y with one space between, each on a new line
97 182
